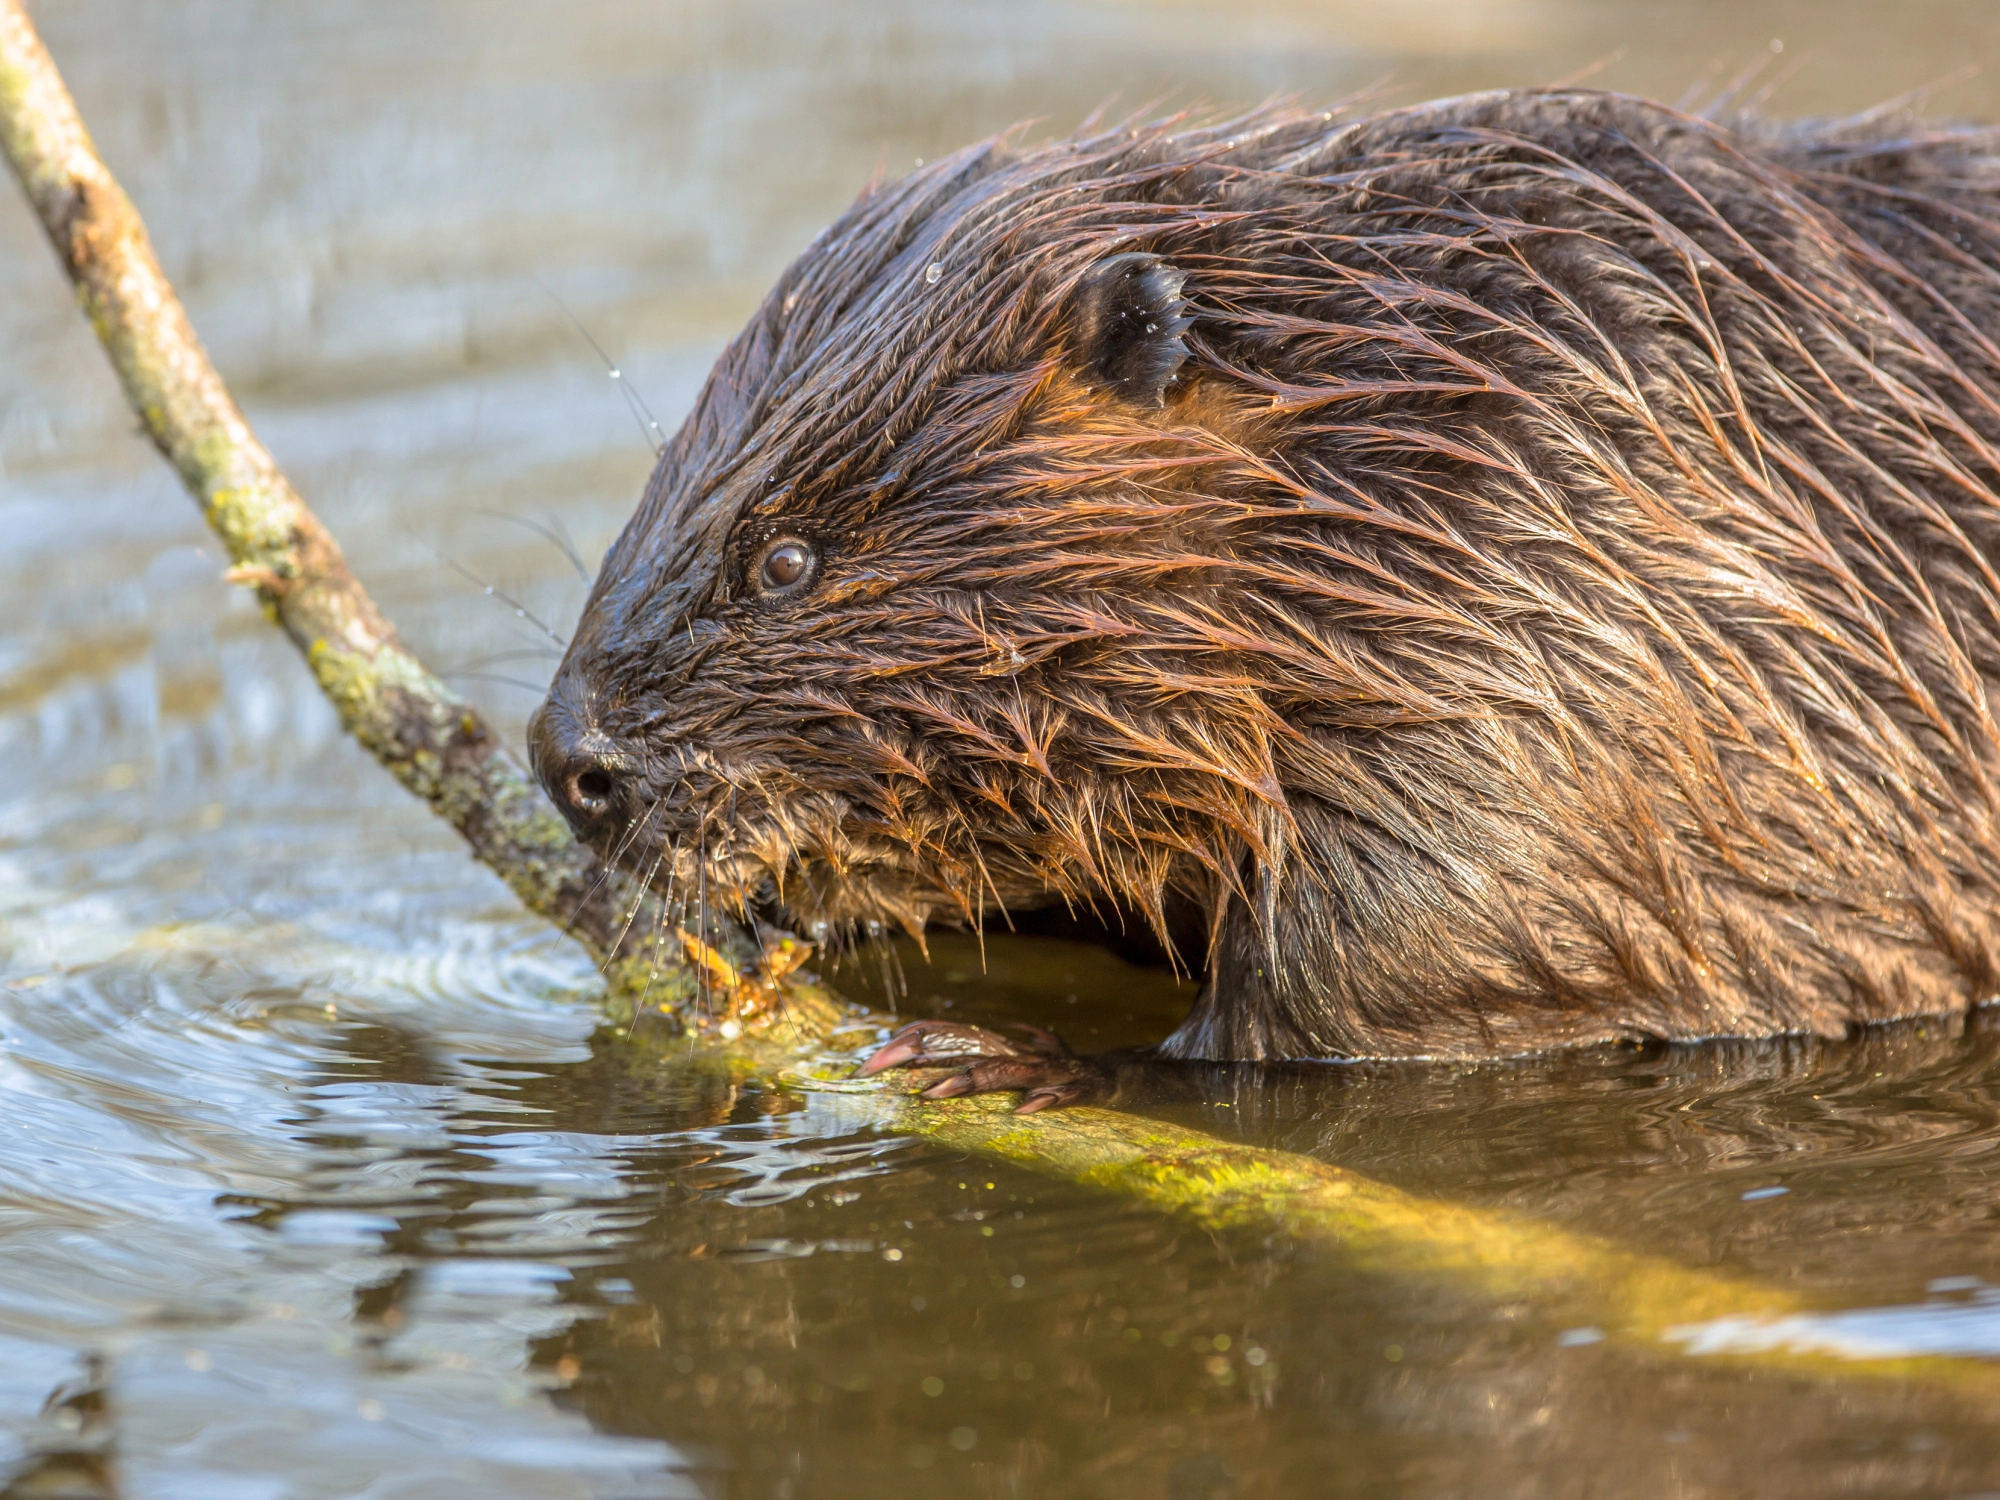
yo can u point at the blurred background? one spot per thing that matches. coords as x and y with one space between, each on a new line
314 1178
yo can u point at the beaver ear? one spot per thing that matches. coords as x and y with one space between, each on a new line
1129 316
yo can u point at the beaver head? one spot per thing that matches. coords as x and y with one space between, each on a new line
885 638
1424 536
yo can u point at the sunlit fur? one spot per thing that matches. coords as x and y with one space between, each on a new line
1552 604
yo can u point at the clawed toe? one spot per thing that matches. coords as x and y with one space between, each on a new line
899 1049
935 1044
1053 1094
991 1077
1042 1082
1039 1066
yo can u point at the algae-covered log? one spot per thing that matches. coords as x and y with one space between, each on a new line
434 742
1580 1284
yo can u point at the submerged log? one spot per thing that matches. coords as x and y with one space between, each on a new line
763 1016
1579 1289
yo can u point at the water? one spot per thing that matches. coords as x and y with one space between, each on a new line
316 1178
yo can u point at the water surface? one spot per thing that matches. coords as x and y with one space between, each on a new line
317 1176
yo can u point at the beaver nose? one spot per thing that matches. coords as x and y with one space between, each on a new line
578 769
587 788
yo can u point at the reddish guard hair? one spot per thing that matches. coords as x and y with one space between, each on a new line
1521 567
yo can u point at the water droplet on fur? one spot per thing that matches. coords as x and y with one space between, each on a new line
931 275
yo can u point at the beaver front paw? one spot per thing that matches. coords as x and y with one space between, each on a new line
1041 1066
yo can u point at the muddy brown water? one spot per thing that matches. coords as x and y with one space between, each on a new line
316 1176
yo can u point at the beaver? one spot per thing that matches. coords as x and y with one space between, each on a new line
1521 568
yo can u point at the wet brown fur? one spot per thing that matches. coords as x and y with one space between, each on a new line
1554 602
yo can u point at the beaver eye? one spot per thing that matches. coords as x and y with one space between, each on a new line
783 565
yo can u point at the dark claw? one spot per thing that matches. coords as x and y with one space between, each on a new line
1046 1071
1069 1091
934 1044
900 1048
1043 1082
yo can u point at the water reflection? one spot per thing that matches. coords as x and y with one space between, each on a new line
947 1323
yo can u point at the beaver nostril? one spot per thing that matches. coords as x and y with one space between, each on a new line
590 790
582 769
